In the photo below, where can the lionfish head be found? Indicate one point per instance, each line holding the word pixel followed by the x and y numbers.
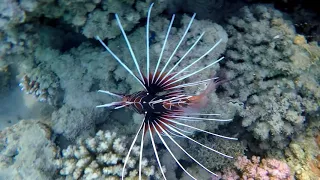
pixel 162 100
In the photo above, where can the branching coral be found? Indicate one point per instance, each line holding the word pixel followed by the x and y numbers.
pixel 269 76
pixel 102 157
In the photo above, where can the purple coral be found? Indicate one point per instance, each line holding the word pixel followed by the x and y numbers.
pixel 265 169
pixel 256 169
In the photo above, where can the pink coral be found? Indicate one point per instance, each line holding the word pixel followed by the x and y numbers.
pixel 256 169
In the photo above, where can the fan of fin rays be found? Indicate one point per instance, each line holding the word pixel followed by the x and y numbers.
pixel 162 113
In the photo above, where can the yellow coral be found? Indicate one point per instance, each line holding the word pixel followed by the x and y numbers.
pixel 312 48
pixel 299 40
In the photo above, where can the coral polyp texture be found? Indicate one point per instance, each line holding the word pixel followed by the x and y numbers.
pixel 27 152
pixel 102 157
pixel 302 154
pixel 276 80
pixel 89 17
pixel 257 169
pixel 43 85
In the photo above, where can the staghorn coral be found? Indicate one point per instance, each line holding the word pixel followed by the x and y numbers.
pixel 102 157
pixel 24 145
pixel 276 80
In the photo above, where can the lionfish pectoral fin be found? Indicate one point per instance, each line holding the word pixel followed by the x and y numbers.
pixel 175 142
pixel 201 100
pixel 115 105
pixel 156 126
pixel 111 93
pixel 156 152
pixel 130 149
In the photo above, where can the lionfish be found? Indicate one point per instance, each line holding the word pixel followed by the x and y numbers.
pixel 163 101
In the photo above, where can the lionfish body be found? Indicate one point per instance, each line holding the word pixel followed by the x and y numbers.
pixel 163 101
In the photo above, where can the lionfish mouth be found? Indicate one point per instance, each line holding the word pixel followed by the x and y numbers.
pixel 162 100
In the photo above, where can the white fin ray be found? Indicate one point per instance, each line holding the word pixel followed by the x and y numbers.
pixel 129 47
pixel 182 58
pixel 130 149
pixel 141 150
pixel 168 135
pixel 163 47
pixel 217 135
pixel 119 61
pixel 169 150
pixel 193 73
pixel 147 39
pixel 110 93
pixel 192 83
pixel 177 47
pixel 190 65
pixel 156 152
pixel 200 118
pixel 216 151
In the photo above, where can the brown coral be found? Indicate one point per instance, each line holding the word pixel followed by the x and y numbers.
pixel 312 48
pixel 314 165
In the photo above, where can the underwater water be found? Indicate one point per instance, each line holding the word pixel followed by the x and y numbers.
pixel 196 89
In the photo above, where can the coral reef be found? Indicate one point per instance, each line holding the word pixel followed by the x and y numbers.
pixel 5 77
pixel 71 122
pixel 212 160
pixel 265 169
pixel 198 172
pixel 302 155
pixel 43 85
pixel 273 86
pixel 26 151
pixel 90 72
pixel 102 157
pixel 276 80
pixel 93 69
pixel 90 17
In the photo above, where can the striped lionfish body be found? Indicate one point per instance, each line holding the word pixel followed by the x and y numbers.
pixel 163 101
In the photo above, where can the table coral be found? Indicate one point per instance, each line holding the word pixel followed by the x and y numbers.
pixel 102 157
